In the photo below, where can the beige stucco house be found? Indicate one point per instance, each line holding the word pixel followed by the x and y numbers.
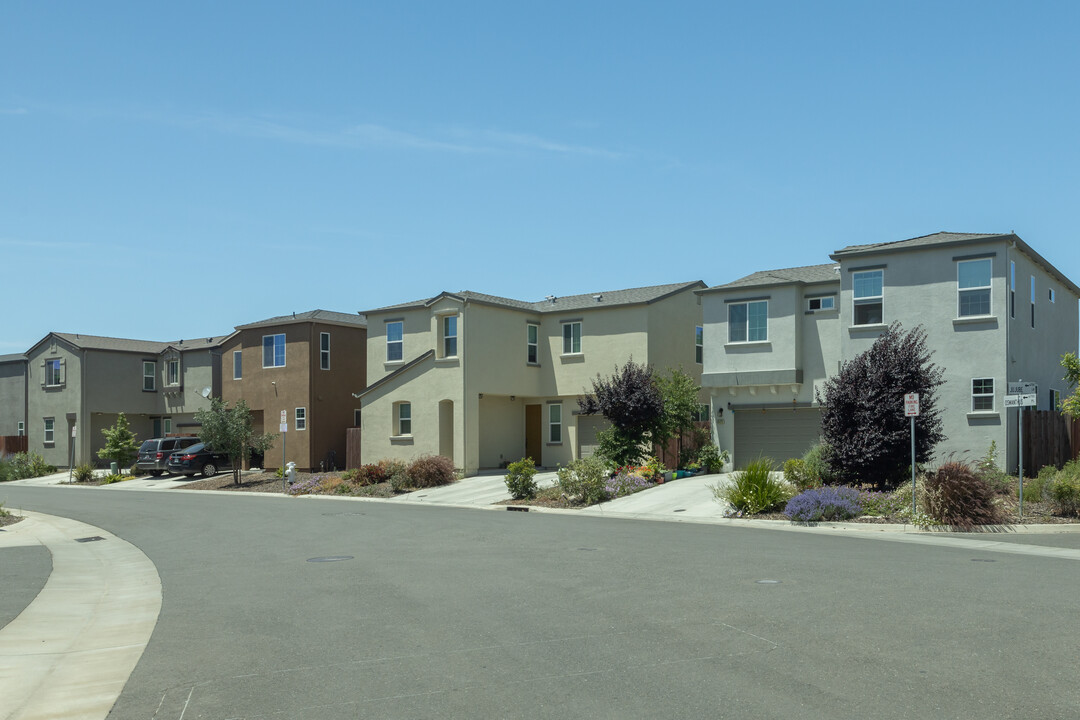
pixel 487 380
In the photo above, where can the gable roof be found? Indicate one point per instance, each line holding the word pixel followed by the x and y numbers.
pixel 805 275
pixel 16 357
pixel 322 316
pixel 149 347
pixel 606 298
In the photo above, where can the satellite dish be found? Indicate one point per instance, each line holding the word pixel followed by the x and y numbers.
pixel 205 392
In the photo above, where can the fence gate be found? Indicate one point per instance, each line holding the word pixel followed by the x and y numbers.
pixel 352 448
pixel 1050 438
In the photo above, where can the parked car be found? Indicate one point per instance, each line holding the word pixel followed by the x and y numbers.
pixel 154 454
pixel 198 459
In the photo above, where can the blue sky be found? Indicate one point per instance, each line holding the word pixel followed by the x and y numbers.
pixel 171 171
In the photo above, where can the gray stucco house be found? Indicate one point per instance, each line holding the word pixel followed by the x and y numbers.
pixel 994 310
pixel 12 395
pixel 84 381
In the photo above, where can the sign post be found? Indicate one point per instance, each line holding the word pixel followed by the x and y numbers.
pixel 284 428
pixel 71 465
pixel 911 409
pixel 1021 394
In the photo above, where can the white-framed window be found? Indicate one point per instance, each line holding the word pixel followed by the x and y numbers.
pixel 324 351
pixel 982 395
pixel 166 425
pixel 52 372
pixel 448 327
pixel 402 418
pixel 356 418
pixel 555 423
pixel 172 371
pixel 22 428
pixel 1053 297
pixel 237 364
pixel 395 341
pixel 973 287
pixel 50 430
pixel 748 321
pixel 867 297
pixel 699 345
pixel 301 418
pixel 532 343
pixel 273 350
pixel 149 375
pixel 821 303
pixel 1012 288
pixel 1032 301
pixel 571 338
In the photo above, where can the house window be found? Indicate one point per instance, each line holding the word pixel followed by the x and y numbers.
pixel 982 395
pixel 702 414
pixel 1012 288
pixel 1055 399
pixel 1032 301
pixel 52 372
pixel 50 424
pixel 172 371
pixel 867 297
pixel 449 336
pixel 555 423
pixel 324 351
pixel 22 428
pixel 973 287
pixel 821 303
pixel 273 350
pixel 356 418
pixel 394 341
pixel 699 345
pixel 532 343
pixel 149 371
pixel 301 418
pixel 166 425
pixel 748 321
pixel 571 338
pixel 403 418
pixel 237 364
pixel 1051 294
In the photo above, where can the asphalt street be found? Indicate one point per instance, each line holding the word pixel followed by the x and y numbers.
pixel 276 607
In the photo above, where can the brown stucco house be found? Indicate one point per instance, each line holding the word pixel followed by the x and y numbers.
pixel 302 365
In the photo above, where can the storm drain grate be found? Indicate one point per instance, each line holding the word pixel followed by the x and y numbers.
pixel 517 508
pixel 330 558
pixel 93 538
pixel 982 560
pixel 679 510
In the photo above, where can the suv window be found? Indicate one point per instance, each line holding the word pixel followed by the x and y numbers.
pixel 148 445
pixel 188 442
pixel 167 445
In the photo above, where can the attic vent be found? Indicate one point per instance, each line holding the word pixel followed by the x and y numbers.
pixel 599 297
pixel 551 299
pixel 836 269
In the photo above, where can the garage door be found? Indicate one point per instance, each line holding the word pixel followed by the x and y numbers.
pixel 587 427
pixel 779 434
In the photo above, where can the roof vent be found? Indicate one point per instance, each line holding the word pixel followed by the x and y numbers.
pixel 836 269
pixel 551 299
pixel 598 297
pixel 181 341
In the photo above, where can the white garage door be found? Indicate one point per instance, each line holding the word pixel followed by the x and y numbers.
pixel 778 434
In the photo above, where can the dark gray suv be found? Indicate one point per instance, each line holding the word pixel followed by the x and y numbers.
pixel 154 454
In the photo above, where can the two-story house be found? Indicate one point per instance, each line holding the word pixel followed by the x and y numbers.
pixel 78 384
pixel 487 380
pixel 994 311
pixel 299 367
pixel 12 395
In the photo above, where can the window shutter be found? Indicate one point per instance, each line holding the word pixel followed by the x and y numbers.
pixel 42 373
pixel 63 371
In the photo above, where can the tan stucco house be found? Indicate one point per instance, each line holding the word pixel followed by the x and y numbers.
pixel 303 365
pixel 487 380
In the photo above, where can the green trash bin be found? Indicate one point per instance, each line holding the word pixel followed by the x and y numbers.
pixel 114 468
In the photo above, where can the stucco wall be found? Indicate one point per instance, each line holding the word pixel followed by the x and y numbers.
pixel 55 402
pixel 12 396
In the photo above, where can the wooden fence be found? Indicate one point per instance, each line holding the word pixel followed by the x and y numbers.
pixel 669 455
pixel 352 448
pixel 1050 438
pixel 11 444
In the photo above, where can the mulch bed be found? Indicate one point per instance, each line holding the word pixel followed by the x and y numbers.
pixel 266 482
pixel 9 519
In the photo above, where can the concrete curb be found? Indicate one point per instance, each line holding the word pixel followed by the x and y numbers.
pixel 70 652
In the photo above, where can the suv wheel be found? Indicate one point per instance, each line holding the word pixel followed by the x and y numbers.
pixel 209 470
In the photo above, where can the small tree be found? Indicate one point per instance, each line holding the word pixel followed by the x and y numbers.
pixel 230 431
pixel 632 402
pixel 680 398
pixel 1071 405
pixel 862 419
pixel 120 444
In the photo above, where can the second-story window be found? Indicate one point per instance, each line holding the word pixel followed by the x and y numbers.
pixel 532 343
pixel 149 376
pixel 571 338
pixel 301 418
pixel 973 287
pixel 867 296
pixel 1012 288
pixel 172 371
pixel 237 364
pixel 748 321
pixel 1032 301
pixel 394 341
pixel 324 350
pixel 821 303
pixel 273 350
pixel 699 345
pixel 449 336
pixel 52 372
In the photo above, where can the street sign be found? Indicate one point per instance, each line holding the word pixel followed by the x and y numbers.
pixel 1029 400
pixel 284 416
pixel 1012 401
pixel 1023 388
pixel 283 427
pixel 73 430
pixel 911 404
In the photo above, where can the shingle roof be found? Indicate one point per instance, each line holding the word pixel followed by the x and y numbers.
pixel 806 275
pixel 939 238
pixel 95 342
pixel 606 298
pixel 326 316
pixel 16 357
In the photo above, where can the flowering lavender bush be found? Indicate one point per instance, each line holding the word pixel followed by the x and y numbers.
pixel 825 503
pixel 305 487
pixel 626 484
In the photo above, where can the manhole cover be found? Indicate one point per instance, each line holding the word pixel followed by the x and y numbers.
pixel 341 513
pixel 679 510
pixel 767 582
pixel 587 549
pixel 93 538
pixel 982 560
pixel 331 558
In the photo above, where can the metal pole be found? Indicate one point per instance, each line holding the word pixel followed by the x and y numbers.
pixel 284 480
pixel 912 468
pixel 71 464
pixel 1020 467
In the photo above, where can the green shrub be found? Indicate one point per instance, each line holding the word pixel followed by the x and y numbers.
pixel 713 459
pixel 83 473
pixel 754 490
pixel 795 472
pixel 520 481
pixel 998 480
pixel 1037 489
pixel 583 481
pixel 816 466
pixel 28 465
pixel 1065 489
pixel 957 495
pixel 431 471
pixel 110 479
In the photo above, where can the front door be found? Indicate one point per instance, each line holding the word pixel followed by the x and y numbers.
pixel 534 433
